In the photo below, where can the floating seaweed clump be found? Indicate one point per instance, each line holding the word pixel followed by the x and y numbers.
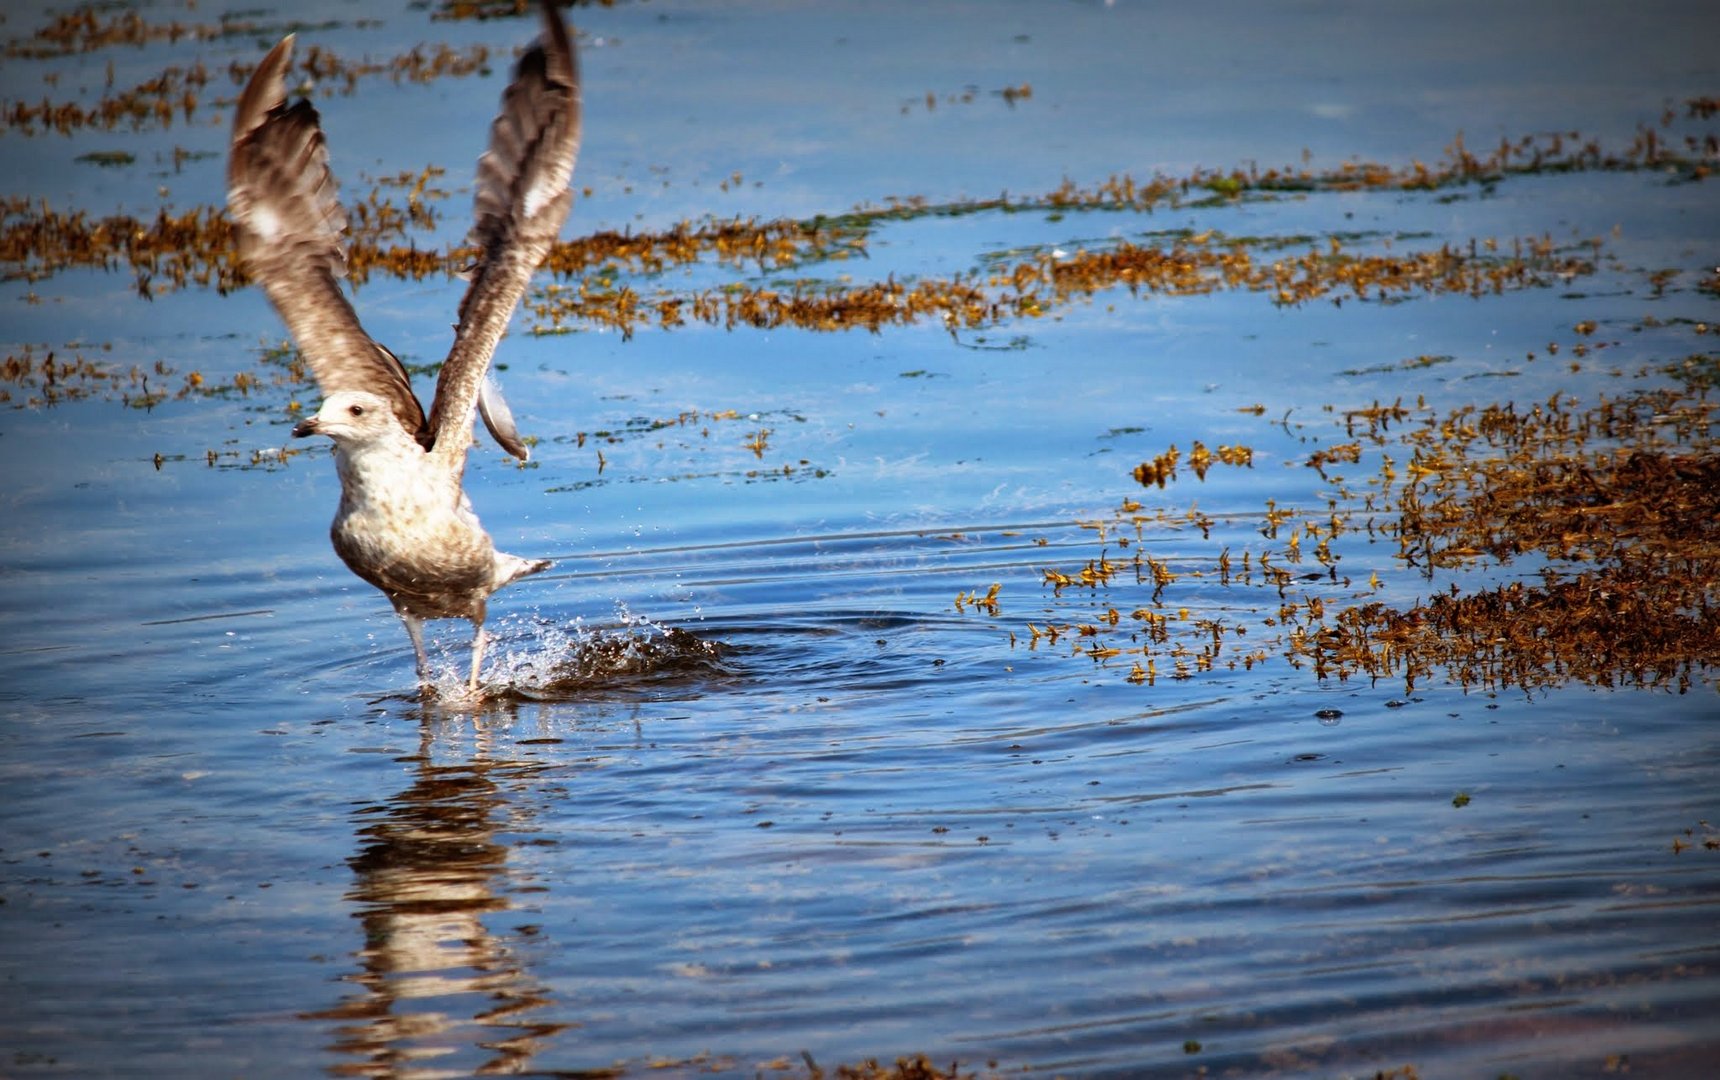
pixel 50 379
pixel 1615 505
pixel 176 93
pixel 1049 281
pixel 915 1067
pixel 175 249
pixel 94 27
pixel 194 246
pixel 168 251
pixel 482 10
pixel 157 101
pixel 1163 469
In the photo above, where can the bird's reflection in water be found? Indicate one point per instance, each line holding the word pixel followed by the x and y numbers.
pixel 438 991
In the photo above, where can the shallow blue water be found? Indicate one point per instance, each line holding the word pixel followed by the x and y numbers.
pixel 846 816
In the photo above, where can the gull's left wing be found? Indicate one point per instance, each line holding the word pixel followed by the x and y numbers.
pixel 522 198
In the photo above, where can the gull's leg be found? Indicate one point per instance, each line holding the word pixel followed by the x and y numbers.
pixel 415 631
pixel 477 651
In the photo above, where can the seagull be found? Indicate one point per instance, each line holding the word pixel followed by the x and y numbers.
pixel 404 523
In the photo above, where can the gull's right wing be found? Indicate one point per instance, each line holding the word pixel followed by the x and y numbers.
pixel 291 236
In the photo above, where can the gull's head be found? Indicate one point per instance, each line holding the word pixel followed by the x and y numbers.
pixel 352 417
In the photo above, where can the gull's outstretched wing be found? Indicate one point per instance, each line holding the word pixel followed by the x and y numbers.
pixel 290 229
pixel 521 200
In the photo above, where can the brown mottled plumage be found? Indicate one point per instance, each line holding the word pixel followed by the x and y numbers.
pixel 404 523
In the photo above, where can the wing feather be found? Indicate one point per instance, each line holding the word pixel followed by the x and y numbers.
pixel 521 200
pixel 291 237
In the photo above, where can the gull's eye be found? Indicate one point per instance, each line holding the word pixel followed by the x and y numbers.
pixel 356 410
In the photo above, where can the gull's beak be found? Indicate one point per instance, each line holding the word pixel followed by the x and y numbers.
pixel 307 426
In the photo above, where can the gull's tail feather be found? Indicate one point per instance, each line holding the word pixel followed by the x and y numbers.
pixel 510 568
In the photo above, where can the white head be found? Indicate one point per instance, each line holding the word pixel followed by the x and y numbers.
pixel 354 418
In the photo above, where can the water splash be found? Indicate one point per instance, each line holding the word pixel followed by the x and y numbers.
pixel 536 659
